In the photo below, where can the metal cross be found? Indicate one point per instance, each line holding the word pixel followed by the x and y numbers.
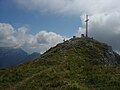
pixel 86 25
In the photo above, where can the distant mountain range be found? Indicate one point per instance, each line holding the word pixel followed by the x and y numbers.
pixel 14 56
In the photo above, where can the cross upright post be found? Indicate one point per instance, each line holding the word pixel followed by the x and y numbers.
pixel 86 25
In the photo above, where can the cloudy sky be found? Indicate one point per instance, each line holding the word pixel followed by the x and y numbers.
pixel 37 25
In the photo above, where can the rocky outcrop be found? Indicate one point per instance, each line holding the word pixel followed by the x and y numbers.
pixel 110 56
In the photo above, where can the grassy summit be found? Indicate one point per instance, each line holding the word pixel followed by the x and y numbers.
pixel 76 64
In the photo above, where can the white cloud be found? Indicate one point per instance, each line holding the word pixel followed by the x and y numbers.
pixel 5 30
pixel 42 37
pixel 9 37
pixel 104 15
pixel 71 6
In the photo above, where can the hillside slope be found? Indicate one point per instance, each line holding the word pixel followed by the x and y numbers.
pixel 76 64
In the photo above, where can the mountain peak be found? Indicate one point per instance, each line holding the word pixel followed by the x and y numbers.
pixel 88 49
pixel 76 64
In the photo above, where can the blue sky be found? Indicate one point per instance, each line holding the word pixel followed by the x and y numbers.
pixel 11 13
pixel 37 25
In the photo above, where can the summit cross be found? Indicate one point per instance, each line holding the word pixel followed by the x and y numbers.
pixel 86 25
